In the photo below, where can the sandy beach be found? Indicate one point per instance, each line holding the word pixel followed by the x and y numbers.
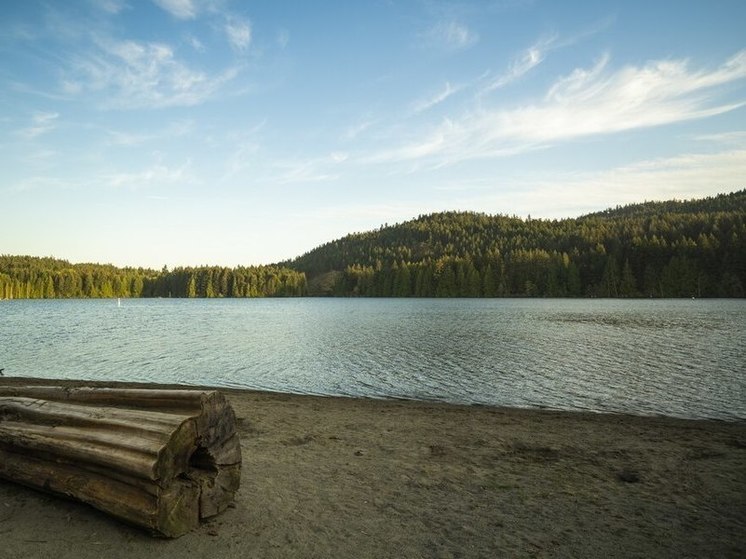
pixel 336 477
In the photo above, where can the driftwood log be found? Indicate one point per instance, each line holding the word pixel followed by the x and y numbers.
pixel 161 459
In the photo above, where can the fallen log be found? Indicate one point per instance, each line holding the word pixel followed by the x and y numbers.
pixel 160 459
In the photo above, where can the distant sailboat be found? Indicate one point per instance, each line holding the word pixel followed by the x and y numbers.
pixel 119 302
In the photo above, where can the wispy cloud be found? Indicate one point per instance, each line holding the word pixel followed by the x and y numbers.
pixel 195 43
pixel 134 74
pixel 317 169
pixel 238 31
pixel 530 58
pixel 180 9
pixel 156 175
pixel 523 63
pixel 41 123
pixel 737 137
pixel 110 6
pixel 450 35
pixel 126 139
pixel 433 100
pixel 249 162
pixel 586 102
pixel 153 176
pixel 353 131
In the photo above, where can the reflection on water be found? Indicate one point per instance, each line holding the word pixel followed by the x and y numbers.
pixel 673 357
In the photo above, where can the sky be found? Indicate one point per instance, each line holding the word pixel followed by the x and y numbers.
pixel 217 132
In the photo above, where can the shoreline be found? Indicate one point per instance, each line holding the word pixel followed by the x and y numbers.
pixel 327 476
pixel 38 381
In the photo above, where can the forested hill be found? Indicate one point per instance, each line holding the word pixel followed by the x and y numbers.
pixel 694 248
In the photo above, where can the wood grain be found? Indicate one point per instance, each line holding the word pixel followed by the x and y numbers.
pixel 161 459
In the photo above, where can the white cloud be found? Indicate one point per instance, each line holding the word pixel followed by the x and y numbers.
pixel 450 35
pixel 319 169
pixel 180 9
pixel 355 130
pixel 154 176
pixel 71 87
pixel 433 100
pixel 110 6
pixel 735 137
pixel 238 32
pixel 587 102
pixel 523 63
pixel 118 138
pixel 195 43
pixel 41 123
pixel 534 55
pixel 249 163
pixel 133 74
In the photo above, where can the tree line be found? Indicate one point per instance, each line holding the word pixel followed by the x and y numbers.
pixel 693 248
pixel 27 277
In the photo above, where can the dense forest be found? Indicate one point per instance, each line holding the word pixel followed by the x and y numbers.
pixel 694 248
pixel 26 277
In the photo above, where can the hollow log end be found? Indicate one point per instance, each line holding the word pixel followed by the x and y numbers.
pixel 217 470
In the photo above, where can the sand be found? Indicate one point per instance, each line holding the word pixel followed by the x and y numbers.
pixel 336 477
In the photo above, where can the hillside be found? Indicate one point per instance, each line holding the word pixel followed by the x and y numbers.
pixel 694 248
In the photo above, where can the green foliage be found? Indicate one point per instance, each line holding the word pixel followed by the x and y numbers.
pixel 27 277
pixel 694 248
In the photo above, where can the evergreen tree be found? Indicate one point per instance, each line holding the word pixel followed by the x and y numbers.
pixel 628 285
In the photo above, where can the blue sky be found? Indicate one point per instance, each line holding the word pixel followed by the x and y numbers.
pixel 190 132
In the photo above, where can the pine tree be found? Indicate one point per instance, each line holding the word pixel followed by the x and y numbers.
pixel 628 285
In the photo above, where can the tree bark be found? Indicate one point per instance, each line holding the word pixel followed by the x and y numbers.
pixel 161 459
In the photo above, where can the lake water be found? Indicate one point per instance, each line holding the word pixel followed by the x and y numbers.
pixel 681 358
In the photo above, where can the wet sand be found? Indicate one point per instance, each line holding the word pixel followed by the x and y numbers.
pixel 337 477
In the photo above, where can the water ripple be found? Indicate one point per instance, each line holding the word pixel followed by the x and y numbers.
pixel 680 358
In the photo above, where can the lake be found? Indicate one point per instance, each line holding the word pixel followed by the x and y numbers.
pixel 684 358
